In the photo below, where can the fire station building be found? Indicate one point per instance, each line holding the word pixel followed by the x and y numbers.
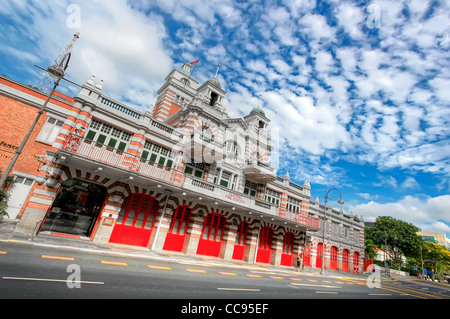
pixel 182 178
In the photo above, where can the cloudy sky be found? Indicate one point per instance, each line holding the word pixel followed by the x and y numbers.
pixel 358 92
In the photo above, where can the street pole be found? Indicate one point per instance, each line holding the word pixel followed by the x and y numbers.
pixel 25 140
pixel 57 71
pixel 340 202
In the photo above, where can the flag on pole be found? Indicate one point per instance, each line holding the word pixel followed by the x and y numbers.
pixel 195 62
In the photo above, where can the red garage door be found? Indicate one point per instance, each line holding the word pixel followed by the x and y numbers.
pixel 178 228
pixel 288 250
pixel 211 239
pixel 239 246
pixel 333 260
pixel 319 255
pixel 345 260
pixel 135 222
pixel 307 255
pixel 265 245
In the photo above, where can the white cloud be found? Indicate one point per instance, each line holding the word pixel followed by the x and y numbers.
pixel 427 213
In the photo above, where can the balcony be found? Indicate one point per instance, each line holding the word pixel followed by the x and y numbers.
pixel 311 223
pixel 227 197
pixel 203 148
pixel 259 172
pixel 98 153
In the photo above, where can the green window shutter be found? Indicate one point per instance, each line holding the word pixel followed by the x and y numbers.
pixel 188 170
pixel 90 135
pixel 153 158
pixel 101 139
pixel 145 155
pixel 169 163
pixel 112 143
pixel 161 161
pixel 122 146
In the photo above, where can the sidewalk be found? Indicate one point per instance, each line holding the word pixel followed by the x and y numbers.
pixel 7 233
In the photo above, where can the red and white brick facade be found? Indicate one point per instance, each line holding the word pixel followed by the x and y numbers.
pixel 185 178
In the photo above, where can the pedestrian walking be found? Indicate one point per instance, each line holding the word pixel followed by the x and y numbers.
pixel 299 261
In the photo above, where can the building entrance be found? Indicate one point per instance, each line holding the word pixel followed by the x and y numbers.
pixel 135 222
pixel 75 209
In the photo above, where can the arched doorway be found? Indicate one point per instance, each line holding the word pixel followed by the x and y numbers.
pixel 307 255
pixel 319 255
pixel 176 235
pixel 355 261
pixel 75 209
pixel 345 260
pixel 241 237
pixel 135 222
pixel 211 239
pixel 265 245
pixel 288 249
pixel 334 257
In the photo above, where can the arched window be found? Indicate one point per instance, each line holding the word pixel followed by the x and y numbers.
pixel 180 220
pixel 241 233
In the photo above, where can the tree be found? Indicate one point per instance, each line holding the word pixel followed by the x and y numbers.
pixel 396 237
pixel 435 257
pixel 4 197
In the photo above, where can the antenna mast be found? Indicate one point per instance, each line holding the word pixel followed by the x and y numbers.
pixel 46 80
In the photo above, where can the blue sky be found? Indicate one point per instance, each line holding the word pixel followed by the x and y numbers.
pixel 358 92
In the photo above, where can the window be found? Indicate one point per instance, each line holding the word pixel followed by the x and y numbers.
pixel 154 153
pixel 293 205
pixel 272 196
pixel 213 227
pixel 288 244
pixel 241 234
pixel 265 240
pixel 180 220
pixel 250 188
pixel 50 130
pixel 225 179
pixel 196 169
pixel 104 134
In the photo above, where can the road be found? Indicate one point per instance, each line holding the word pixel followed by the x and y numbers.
pixel 30 271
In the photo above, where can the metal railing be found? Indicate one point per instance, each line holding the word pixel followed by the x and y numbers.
pixel 102 153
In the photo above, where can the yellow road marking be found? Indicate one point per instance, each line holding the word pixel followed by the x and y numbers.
pixel 159 267
pixel 228 273
pixel 57 258
pixel 298 279
pixel 312 280
pixel 3 252
pixel 114 263
pixel 196 270
pixel 275 277
pixel 254 276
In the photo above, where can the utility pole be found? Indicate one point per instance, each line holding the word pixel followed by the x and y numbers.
pixel 56 72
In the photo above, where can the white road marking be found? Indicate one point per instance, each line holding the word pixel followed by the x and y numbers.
pixel 52 280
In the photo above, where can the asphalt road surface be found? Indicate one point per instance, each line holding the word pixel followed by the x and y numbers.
pixel 30 271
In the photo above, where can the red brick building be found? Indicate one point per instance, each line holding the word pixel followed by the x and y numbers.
pixel 183 178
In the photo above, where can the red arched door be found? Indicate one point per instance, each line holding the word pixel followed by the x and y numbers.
pixel 135 222
pixel 307 255
pixel 319 255
pixel 345 260
pixel 178 229
pixel 333 260
pixel 265 245
pixel 211 239
pixel 355 261
pixel 288 250
pixel 239 245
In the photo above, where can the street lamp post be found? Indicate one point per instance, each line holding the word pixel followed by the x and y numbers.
pixel 340 202
pixel 57 72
